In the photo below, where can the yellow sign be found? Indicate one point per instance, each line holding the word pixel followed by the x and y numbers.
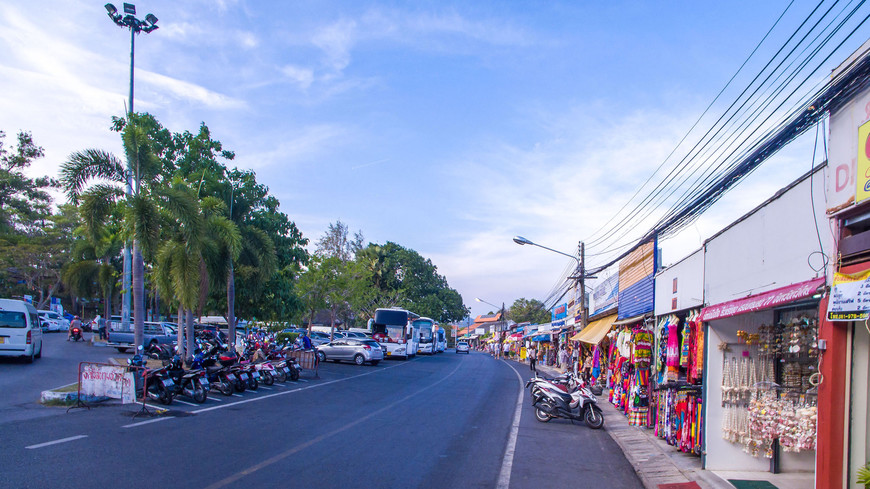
pixel 850 297
pixel 863 163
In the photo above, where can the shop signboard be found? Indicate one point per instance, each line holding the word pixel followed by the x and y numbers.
pixel 846 148
pixel 636 281
pixel 560 312
pixel 766 300
pixel 863 176
pixel 605 294
pixel 850 297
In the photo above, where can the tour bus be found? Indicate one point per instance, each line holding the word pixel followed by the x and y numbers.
pixel 440 341
pixel 427 335
pixel 394 329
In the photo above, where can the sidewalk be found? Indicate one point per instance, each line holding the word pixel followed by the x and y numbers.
pixel 655 461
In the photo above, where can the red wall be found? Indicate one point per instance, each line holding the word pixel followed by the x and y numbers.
pixel 832 424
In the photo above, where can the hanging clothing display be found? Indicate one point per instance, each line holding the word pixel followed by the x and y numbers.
pixel 676 410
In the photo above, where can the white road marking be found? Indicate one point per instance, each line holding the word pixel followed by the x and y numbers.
pixel 504 477
pixel 281 456
pixel 215 399
pixel 237 395
pixel 267 388
pixel 55 442
pixel 185 402
pixel 303 380
pixel 267 396
pixel 148 422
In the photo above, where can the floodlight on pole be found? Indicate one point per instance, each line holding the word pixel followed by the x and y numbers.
pixel 136 26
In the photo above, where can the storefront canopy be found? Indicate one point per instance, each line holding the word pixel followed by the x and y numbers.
pixel 596 331
pixel 765 300
pixel 630 320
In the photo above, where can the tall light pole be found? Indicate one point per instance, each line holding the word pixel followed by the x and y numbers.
pixel 136 26
pixel 580 277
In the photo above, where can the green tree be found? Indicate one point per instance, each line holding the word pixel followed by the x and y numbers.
pixel 401 277
pixel 101 173
pixel 24 201
pixel 337 242
pixel 529 310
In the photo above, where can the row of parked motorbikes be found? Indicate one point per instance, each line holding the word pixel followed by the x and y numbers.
pixel 213 366
pixel 566 397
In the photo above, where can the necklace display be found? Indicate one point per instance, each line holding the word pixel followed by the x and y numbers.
pixel 758 411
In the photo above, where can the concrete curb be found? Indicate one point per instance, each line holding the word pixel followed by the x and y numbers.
pixel 54 395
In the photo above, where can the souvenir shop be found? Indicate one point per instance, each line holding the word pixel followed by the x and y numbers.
pixel 630 357
pixel 678 373
pixel 678 370
pixel 762 380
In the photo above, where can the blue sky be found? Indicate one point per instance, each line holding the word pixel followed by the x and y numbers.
pixel 447 127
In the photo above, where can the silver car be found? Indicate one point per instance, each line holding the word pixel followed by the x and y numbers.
pixel 359 351
pixel 462 347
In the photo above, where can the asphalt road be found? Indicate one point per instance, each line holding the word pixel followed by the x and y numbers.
pixel 433 422
pixel 22 383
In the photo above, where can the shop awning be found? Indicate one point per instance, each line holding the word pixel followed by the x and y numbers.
pixel 541 337
pixel 765 300
pixel 631 320
pixel 595 331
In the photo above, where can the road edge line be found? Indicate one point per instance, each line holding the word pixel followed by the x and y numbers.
pixel 504 477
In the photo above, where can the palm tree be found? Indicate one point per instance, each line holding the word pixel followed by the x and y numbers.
pixel 106 175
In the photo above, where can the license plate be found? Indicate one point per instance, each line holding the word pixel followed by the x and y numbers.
pixel 2 340
pixel 168 383
pixel 256 375
pixel 203 381
pixel 286 370
pixel 389 353
pixel 246 376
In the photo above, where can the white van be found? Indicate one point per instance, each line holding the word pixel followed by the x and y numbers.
pixel 20 333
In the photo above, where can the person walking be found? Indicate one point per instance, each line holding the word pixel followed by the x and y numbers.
pixel 563 358
pixel 533 358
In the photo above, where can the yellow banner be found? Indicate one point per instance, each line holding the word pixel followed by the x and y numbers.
pixel 845 278
pixel 863 164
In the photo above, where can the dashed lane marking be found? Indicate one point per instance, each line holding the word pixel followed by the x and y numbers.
pixel 140 423
pixel 55 442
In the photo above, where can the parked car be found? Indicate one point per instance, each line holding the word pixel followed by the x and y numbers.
pixel 354 334
pixel 20 331
pixel 318 338
pixel 156 333
pixel 462 347
pixel 359 351
pixel 53 320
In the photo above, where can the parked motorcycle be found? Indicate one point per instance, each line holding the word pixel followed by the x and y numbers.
pixel 580 404
pixel 158 386
pixel 191 383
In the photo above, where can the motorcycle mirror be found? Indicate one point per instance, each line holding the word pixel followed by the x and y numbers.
pixel 140 348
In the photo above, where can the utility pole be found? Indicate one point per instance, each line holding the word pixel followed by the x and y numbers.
pixel 584 319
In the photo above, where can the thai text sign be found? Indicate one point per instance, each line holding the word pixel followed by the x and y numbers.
pixel 765 300
pixel 863 176
pixel 107 381
pixel 850 297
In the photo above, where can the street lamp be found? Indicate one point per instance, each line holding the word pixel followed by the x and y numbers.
pixel 136 26
pixel 504 321
pixel 581 272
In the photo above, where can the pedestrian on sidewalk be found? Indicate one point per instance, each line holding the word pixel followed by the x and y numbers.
pixel 563 358
pixel 533 358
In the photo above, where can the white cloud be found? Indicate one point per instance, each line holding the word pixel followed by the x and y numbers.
pixel 189 91
pixel 304 146
pixel 303 77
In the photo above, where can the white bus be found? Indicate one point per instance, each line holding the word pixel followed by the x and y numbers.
pixel 393 328
pixel 440 340
pixel 428 330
